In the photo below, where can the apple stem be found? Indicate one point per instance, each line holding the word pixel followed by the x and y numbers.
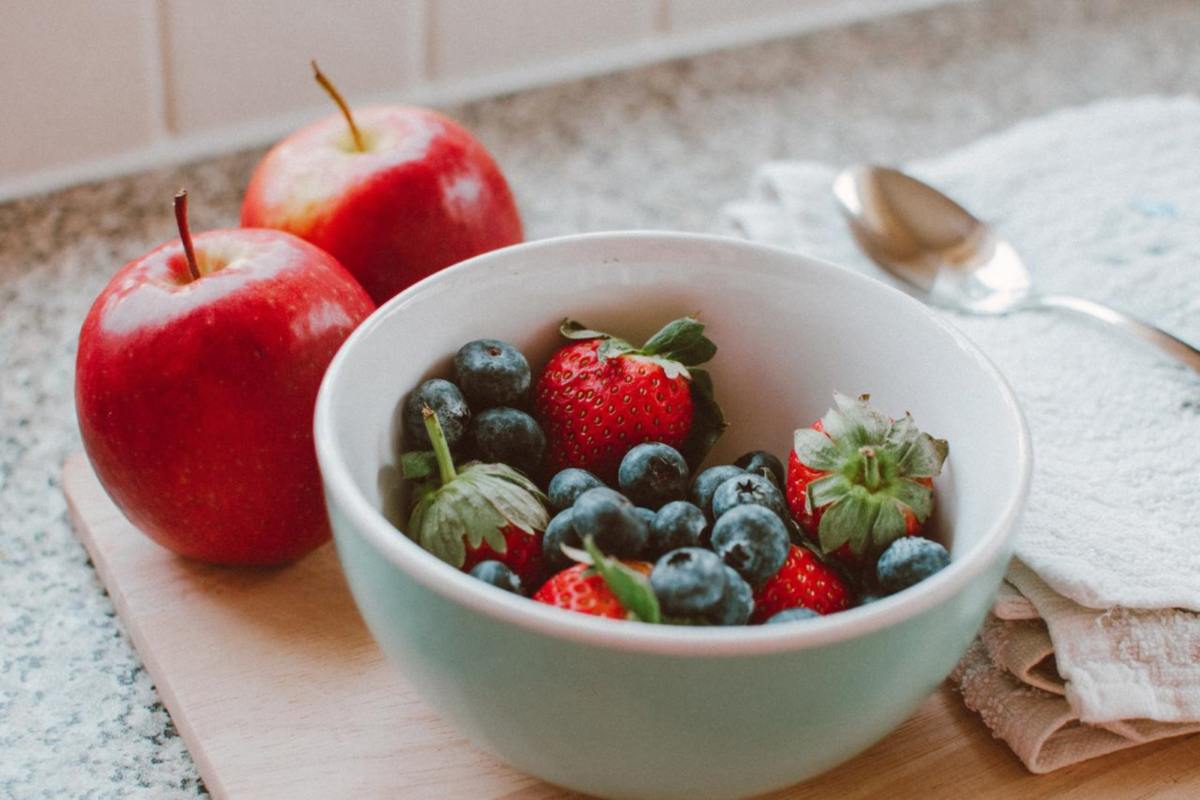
pixel 185 233
pixel 337 98
pixel 441 449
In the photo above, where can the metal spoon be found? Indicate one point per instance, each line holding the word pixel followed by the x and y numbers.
pixel 955 260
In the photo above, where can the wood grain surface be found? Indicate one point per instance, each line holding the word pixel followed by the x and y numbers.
pixel 279 691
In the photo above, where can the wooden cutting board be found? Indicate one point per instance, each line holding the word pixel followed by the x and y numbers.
pixel 279 691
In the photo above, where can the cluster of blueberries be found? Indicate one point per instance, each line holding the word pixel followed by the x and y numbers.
pixel 492 379
pixel 728 535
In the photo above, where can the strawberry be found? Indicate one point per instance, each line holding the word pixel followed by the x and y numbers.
pixel 600 396
pixel 602 587
pixel 858 480
pixel 804 581
pixel 477 512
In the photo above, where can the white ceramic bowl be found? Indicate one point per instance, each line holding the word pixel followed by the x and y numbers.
pixel 623 709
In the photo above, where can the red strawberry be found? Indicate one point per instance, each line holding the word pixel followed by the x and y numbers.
pixel 600 396
pixel 803 580
pixel 581 588
pixel 858 480
pixel 479 512
pixel 522 554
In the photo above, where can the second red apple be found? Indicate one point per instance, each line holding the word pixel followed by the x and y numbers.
pixel 394 193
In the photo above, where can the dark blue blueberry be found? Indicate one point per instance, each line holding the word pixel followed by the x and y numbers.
pixel 760 462
pixel 492 373
pixel 560 531
pixel 498 575
pixel 566 486
pixel 867 599
pixel 793 615
pixel 609 518
pixel 707 482
pixel 677 524
pixel 908 561
pixel 652 474
pixel 753 540
pixel 689 582
pixel 748 489
pixel 508 436
pixel 647 515
pixel 447 403
pixel 736 604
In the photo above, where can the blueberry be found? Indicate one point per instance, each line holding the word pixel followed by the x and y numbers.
pixel 867 599
pixel 736 604
pixel 609 518
pixel 707 482
pixel 760 462
pixel 653 474
pixel 752 540
pixel 447 403
pixel 647 515
pixel 560 531
pixel 498 575
pixel 492 373
pixel 508 436
pixel 793 615
pixel 677 524
pixel 748 489
pixel 908 561
pixel 688 582
pixel 566 486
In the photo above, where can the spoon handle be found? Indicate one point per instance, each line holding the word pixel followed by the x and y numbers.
pixel 1169 344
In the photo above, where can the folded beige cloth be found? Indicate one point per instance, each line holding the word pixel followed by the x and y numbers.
pixel 1061 683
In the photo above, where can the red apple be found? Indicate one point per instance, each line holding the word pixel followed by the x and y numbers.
pixel 195 384
pixel 394 193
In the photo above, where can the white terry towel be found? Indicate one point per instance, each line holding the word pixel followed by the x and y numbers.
pixel 1104 202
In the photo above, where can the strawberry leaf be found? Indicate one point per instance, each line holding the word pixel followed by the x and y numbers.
pixel 815 450
pixel 828 489
pixel 847 521
pixel 632 589
pixel 703 350
pixel 923 456
pixel 676 335
pixel 708 420
pixel 571 329
pixel 611 347
pixel 576 555
pixel 681 340
pixel 889 526
pixel 916 496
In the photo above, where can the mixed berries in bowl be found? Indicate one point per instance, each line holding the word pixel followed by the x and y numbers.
pixel 507 487
pixel 637 564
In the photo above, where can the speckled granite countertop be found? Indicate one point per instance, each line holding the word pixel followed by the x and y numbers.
pixel 660 147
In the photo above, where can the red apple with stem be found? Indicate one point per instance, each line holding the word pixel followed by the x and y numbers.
pixel 195 383
pixel 395 193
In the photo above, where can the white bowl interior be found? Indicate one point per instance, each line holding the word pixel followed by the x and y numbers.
pixel 791 331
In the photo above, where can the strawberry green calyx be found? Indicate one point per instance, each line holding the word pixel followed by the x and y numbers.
pixel 679 348
pixel 679 345
pixel 466 507
pixel 877 473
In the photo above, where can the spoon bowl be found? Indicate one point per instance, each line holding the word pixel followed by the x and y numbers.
pixel 954 260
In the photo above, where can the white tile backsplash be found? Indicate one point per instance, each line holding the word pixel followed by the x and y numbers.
pixel 685 15
pixel 470 38
pixel 229 61
pixel 74 80
pixel 90 89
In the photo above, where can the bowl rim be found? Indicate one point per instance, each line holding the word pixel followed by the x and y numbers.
pixel 456 586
